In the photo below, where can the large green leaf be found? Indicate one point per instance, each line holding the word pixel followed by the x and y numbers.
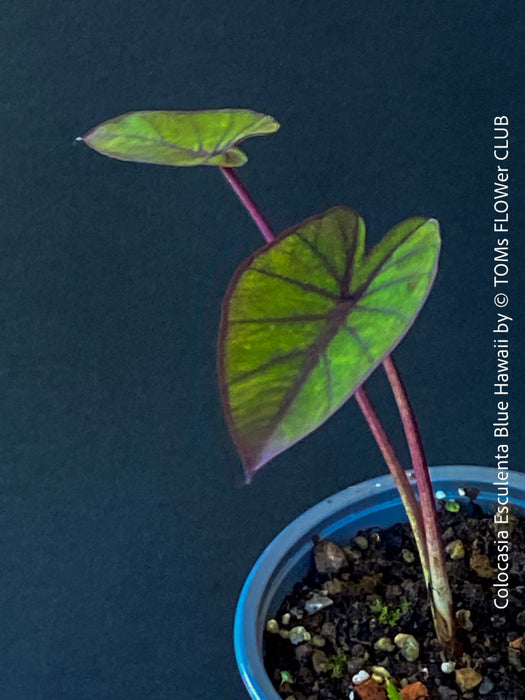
pixel 208 137
pixel 308 317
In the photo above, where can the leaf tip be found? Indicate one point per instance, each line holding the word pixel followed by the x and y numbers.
pixel 252 463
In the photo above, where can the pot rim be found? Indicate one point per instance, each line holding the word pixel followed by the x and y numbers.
pixel 249 656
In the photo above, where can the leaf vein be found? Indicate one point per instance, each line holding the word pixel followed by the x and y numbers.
pixel 364 346
pixel 383 310
pixel 299 283
pixel 327 264
pixel 414 251
pixel 406 278
pixel 277 360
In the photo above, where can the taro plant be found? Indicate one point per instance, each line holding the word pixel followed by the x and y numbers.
pixel 308 317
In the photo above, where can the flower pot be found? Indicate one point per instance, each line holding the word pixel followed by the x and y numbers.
pixel 288 558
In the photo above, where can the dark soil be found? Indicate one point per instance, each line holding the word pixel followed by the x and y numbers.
pixel 377 592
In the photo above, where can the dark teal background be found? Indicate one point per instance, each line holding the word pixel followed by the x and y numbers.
pixel 124 534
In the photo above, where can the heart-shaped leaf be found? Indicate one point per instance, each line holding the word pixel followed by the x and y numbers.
pixel 207 137
pixel 308 317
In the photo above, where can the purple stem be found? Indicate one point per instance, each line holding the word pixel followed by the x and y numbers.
pixel 410 502
pixel 240 190
pixel 440 594
pixel 417 453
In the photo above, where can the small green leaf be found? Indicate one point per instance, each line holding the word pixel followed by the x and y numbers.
pixel 308 317
pixel 392 692
pixel 207 137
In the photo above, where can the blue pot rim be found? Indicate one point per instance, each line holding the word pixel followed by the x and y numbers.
pixel 247 636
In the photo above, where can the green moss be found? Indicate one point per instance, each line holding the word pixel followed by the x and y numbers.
pixel 338 664
pixel 389 616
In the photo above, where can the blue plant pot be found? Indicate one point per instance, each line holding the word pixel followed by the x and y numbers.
pixel 288 558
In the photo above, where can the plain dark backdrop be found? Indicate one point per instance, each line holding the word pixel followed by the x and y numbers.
pixel 124 535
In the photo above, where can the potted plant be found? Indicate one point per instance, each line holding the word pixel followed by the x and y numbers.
pixel 305 320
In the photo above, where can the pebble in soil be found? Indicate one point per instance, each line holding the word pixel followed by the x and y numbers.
pixel 364 607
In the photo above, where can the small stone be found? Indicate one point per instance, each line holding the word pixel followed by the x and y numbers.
pixel 384 644
pixel 368 584
pixel 471 492
pixel 410 591
pixel 463 620
pixel 456 550
pixel 272 626
pixel 329 558
pixel 352 554
pixel 360 677
pixel 468 679
pixel 480 564
pixel 318 641
pixel 328 632
pixel 285 619
pixel 371 690
pixel 520 619
pixel 446 693
pixel 408 646
pixel 357 650
pixel 448 666
pixel 380 673
pixel 304 676
pixel 440 495
pixel 319 662
pixel 452 506
pixel 297 612
pixel 392 595
pixel 333 587
pixel 414 691
pixel 423 673
pixel 299 634
pixel 493 659
pixel 514 658
pixel 472 591
pixel 486 687
pixel 361 541
pixel 355 663
pixel 317 602
pixel 303 651
pixel 408 556
pixel 518 564
pixel 498 621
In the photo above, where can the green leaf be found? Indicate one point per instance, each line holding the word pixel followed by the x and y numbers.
pixel 308 317
pixel 392 692
pixel 208 137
